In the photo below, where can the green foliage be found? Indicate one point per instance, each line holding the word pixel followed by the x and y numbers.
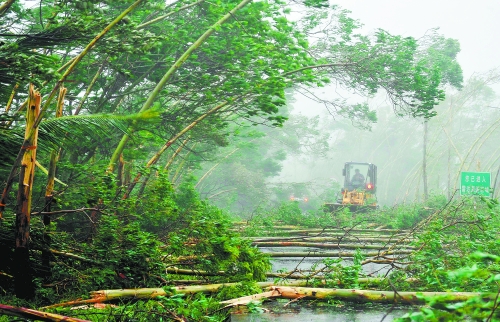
pixel 448 240
pixel 409 216
pixel 238 290
pixel 336 274
pixel 191 227
pixel 483 276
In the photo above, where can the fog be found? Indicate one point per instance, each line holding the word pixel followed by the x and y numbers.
pixel 462 136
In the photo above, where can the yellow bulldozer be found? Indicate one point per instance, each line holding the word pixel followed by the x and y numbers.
pixel 359 191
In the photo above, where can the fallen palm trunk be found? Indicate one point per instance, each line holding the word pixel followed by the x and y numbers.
pixel 334 254
pixel 35 315
pixel 375 296
pixel 320 245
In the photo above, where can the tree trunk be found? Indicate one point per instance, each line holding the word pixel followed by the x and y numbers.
pixel 157 155
pixel 287 292
pixel 49 191
pixel 24 287
pixel 320 245
pixel 5 6
pixel 424 162
pixel 375 296
pixel 335 254
pixel 328 239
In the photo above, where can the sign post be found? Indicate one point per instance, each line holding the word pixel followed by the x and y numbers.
pixel 475 184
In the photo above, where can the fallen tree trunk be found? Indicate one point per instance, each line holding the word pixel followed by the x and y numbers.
pixel 269 275
pixel 375 296
pixel 335 254
pixel 108 295
pixel 181 271
pixel 343 238
pixel 35 315
pixel 319 245
pixel 291 290
pixel 305 229
pixel 245 300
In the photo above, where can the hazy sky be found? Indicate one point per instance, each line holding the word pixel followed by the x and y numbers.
pixel 476 24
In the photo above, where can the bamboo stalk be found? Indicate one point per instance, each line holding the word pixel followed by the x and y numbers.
pixel 157 155
pixel 176 153
pixel 179 167
pixel 170 161
pixel 89 88
pixel 172 70
pixel 215 166
pixel 11 98
pixel 49 189
pixel 44 170
pixel 168 14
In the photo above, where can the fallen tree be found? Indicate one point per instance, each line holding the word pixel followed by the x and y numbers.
pixel 288 292
pixel 376 296
pixel 319 245
pixel 25 313
pixel 335 254
pixel 342 238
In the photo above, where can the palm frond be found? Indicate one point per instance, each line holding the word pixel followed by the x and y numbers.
pixel 81 129
pixel 68 131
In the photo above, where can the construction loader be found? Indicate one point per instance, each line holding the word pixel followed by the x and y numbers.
pixel 359 191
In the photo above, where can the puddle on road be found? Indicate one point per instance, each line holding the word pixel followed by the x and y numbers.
pixel 291 263
pixel 305 311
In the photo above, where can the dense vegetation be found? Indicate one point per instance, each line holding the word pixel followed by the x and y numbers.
pixel 117 119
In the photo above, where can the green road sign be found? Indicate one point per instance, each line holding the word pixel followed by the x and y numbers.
pixel 475 183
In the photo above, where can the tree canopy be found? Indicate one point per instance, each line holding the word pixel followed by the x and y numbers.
pixel 149 87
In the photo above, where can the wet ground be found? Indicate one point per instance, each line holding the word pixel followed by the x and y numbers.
pixel 291 263
pixel 319 312
pixel 303 311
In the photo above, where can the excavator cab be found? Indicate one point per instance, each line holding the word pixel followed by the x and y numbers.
pixel 359 190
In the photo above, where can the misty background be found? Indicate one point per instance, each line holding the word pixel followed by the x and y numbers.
pixel 305 158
